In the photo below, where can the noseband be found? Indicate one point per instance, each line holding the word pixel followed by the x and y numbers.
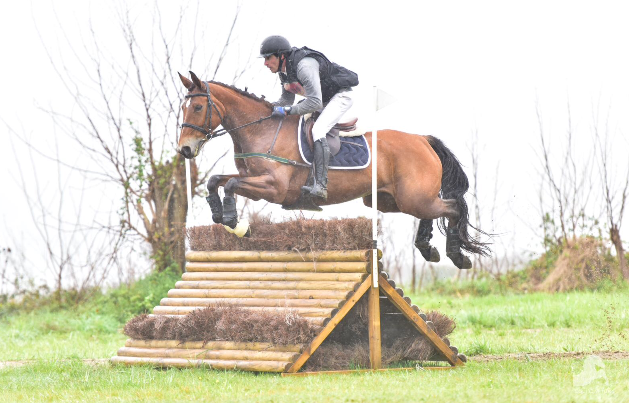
pixel 207 124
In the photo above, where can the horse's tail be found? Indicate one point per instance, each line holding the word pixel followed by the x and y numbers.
pixel 454 186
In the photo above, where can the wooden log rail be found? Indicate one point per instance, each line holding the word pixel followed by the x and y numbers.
pixel 214 345
pixel 266 256
pixel 266 285
pixel 253 302
pixel 267 276
pixel 266 267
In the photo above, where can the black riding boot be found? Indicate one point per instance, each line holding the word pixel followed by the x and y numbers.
pixel 321 158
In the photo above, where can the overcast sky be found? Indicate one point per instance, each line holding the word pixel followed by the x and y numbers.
pixel 454 67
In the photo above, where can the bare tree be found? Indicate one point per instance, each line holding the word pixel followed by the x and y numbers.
pixel 127 113
pixel 615 192
pixel 78 251
pixel 566 188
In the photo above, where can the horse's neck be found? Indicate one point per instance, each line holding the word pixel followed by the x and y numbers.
pixel 240 110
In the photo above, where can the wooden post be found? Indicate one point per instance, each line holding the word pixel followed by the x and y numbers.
pixel 374 319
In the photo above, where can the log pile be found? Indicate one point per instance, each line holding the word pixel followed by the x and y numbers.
pixel 264 310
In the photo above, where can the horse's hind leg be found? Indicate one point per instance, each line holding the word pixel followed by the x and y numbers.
pixel 423 236
pixel 449 209
pixel 453 246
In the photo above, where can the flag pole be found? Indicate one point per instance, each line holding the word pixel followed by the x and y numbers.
pixel 374 198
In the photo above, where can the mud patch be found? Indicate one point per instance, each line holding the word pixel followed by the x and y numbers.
pixel 605 355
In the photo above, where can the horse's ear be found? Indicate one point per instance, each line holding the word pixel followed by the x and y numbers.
pixel 195 80
pixel 187 83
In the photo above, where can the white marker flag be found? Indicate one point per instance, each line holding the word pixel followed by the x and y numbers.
pixel 381 100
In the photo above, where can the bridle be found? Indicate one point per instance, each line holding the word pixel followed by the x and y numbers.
pixel 206 129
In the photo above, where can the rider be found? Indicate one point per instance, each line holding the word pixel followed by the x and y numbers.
pixel 326 87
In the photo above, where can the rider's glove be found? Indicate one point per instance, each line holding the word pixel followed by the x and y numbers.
pixel 280 111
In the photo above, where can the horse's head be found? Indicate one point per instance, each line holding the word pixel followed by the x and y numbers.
pixel 200 117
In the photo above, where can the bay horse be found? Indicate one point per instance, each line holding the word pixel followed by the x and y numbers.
pixel 413 170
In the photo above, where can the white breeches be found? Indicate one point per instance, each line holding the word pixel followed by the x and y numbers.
pixel 336 108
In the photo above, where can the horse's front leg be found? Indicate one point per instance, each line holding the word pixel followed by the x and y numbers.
pixel 213 199
pixel 252 187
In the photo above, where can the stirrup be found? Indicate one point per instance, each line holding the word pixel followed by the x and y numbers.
pixel 316 190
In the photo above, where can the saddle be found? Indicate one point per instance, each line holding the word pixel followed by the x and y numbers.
pixel 332 136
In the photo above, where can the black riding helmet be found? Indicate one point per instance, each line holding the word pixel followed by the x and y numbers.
pixel 274 45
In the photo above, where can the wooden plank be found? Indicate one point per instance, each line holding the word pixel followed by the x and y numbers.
pixel 331 325
pixel 266 285
pixel 258 366
pixel 286 303
pixel 273 276
pixel 282 294
pixel 214 345
pixel 279 256
pixel 305 312
pixel 374 327
pixel 207 354
pixel 266 267
pixel 419 323
pixel 313 320
pixel 360 371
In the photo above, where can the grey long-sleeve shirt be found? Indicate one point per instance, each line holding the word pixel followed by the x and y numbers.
pixel 311 89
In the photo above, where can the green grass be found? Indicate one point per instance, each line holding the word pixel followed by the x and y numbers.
pixel 488 324
pixel 506 381
pixel 61 334
pixel 495 324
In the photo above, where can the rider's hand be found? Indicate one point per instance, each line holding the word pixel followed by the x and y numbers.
pixel 280 111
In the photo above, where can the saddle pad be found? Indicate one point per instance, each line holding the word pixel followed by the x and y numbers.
pixel 353 154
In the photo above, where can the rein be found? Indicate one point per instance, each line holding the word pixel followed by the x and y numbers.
pixel 207 131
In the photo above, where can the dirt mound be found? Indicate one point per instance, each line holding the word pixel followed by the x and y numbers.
pixel 582 264
pixel 299 235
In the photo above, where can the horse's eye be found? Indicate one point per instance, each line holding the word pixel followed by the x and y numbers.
pixel 198 108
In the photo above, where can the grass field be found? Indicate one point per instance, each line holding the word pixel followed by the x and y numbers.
pixel 588 322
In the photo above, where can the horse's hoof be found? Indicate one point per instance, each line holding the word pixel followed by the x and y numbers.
pixel 428 252
pixel 460 261
pixel 435 255
pixel 230 221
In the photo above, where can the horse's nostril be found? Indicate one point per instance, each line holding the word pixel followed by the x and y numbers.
pixel 186 152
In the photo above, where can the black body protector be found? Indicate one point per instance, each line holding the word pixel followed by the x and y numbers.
pixel 333 78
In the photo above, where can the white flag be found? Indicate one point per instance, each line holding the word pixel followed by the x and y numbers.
pixel 383 99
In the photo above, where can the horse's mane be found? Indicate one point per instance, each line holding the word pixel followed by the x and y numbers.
pixel 243 92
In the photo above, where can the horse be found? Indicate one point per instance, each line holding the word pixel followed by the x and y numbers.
pixel 417 175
